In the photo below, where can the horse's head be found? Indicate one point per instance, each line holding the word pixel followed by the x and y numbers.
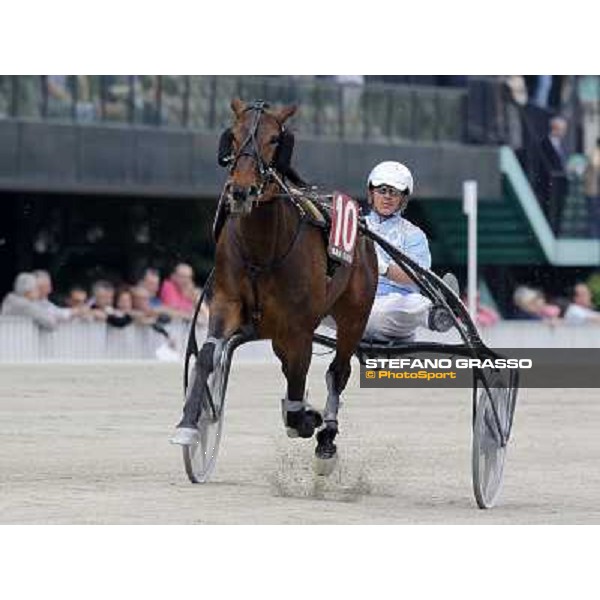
pixel 256 135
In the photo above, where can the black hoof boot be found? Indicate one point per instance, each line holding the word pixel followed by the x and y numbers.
pixel 326 456
pixel 326 448
pixel 303 422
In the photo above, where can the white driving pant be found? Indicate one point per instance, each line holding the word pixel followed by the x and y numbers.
pixel 397 316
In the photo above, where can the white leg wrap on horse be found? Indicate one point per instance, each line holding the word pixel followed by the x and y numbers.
pixel 218 350
pixel 293 405
pixel 333 401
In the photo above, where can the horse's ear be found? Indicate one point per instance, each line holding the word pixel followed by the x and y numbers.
pixel 238 107
pixel 286 112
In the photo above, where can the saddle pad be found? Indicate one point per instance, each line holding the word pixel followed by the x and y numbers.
pixel 344 227
pixel 312 209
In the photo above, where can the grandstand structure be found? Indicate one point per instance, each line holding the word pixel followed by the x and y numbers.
pixel 103 175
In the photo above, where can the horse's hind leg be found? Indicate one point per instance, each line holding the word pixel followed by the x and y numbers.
pixel 336 380
pixel 351 313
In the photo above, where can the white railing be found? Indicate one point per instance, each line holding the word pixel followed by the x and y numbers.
pixel 22 341
pixel 527 334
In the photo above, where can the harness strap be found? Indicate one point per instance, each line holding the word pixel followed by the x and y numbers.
pixel 255 271
pixel 256 313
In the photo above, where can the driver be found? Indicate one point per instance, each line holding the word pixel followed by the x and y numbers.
pixel 398 308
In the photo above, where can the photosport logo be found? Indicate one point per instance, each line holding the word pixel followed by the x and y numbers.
pixel 538 368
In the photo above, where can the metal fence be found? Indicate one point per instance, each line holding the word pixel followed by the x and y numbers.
pixel 329 109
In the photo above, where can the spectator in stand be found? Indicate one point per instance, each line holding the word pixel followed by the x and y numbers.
pixel 541 92
pixel 532 305
pixel 553 145
pixel 150 281
pixel 23 301
pixel 513 99
pixel 44 282
pixel 101 303
pixel 178 292
pixel 553 177
pixel 581 309
pixel 77 298
pixel 592 173
pixel 486 316
pixel 122 313
pixel 151 316
pixel 59 96
pixel 588 99
pixel 141 301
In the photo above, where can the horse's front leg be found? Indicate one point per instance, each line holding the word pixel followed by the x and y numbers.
pixel 225 320
pixel 295 353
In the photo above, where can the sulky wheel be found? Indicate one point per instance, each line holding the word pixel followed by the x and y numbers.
pixel 491 431
pixel 200 459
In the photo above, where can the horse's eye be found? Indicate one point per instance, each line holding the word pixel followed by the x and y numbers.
pixel 274 139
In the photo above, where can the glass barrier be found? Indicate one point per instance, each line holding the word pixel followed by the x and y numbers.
pixel 5 96
pixel 350 110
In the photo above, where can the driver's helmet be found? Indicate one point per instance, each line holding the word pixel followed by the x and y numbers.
pixel 391 173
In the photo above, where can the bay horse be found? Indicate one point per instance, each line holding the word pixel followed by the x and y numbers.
pixel 271 278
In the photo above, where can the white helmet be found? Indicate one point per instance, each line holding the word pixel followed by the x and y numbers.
pixel 392 173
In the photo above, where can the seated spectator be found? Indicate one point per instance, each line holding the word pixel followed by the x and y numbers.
pixel 532 304
pixel 581 309
pixel 23 301
pixel 178 293
pixel 44 283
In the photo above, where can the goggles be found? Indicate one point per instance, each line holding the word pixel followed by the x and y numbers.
pixel 388 190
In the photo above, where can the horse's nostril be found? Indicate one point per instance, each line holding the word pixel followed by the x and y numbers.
pixel 239 194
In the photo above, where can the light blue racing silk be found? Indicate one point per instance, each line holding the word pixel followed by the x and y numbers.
pixel 405 236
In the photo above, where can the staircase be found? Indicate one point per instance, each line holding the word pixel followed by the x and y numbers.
pixel 504 236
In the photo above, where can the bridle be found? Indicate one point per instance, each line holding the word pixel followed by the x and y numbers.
pixel 268 174
pixel 249 147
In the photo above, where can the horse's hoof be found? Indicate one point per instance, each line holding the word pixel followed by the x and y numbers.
pixel 303 423
pixel 291 432
pixel 323 467
pixel 185 436
pixel 316 417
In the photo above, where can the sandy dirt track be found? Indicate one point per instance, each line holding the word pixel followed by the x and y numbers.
pixel 89 444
